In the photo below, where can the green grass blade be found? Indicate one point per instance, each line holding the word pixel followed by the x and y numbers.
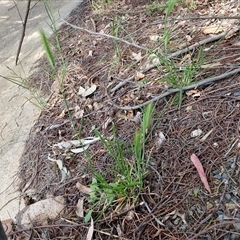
pixel 47 48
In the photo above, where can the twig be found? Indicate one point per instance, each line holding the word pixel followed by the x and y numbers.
pixel 175 90
pixel 105 35
pixel 231 147
pixel 150 212
pixel 195 18
pixel 23 31
pixel 176 54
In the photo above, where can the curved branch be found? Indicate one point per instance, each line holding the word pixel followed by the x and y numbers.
pixel 175 90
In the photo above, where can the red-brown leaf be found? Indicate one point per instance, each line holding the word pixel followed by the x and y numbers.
pixel 200 170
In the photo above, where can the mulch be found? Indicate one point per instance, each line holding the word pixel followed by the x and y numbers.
pixel 173 203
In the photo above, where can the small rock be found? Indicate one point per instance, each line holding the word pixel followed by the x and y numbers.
pixel 196 133
pixel 224 176
pixel 217 176
pixel 228 196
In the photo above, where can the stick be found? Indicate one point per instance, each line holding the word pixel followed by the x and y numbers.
pixel 105 35
pixel 175 90
pixel 23 31
pixel 178 53
pixel 195 18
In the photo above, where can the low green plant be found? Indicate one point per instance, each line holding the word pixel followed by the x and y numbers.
pixel 177 76
pixel 129 168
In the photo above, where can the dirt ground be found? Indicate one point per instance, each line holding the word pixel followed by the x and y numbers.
pixel 173 204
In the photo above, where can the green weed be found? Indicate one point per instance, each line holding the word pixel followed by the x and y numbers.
pixel 127 172
pixel 178 75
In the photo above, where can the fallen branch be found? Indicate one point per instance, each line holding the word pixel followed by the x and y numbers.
pixel 175 90
pixel 105 35
pixel 176 54
pixel 195 18
pixel 23 31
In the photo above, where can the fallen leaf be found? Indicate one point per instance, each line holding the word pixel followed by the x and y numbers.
pixel 86 92
pixel 189 108
pixel 186 59
pixel 90 231
pixel 82 188
pixel 206 136
pixel 97 106
pixel 211 65
pixel 154 38
pixel 137 117
pixel 79 208
pixel 80 150
pixel 81 91
pixel 137 56
pixel 192 92
pixel 212 29
pixel 139 76
pixel 63 169
pixel 200 170
pixel 153 59
pixel 82 143
pixel 161 138
pixel 85 141
pixel 8 226
pixel 40 212
pixel 89 91
pixel 119 231
pixel 61 115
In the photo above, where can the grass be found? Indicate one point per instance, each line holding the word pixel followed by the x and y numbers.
pixel 177 76
pixel 127 172
pixel 36 97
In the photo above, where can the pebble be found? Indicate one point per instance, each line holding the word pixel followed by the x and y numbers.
pixel 217 176
pixel 224 176
pixel 228 196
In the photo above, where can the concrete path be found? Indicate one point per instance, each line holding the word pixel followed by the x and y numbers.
pixel 17 115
